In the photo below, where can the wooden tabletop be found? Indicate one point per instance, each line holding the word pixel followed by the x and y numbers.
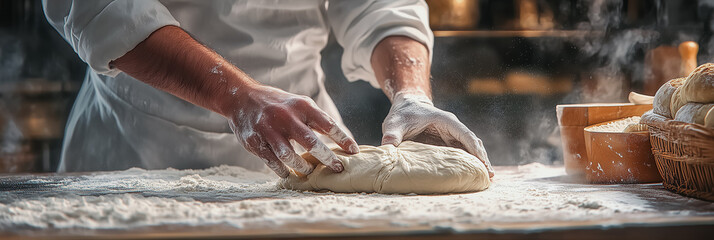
pixel 697 221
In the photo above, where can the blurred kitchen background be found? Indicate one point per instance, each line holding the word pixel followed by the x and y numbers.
pixel 500 65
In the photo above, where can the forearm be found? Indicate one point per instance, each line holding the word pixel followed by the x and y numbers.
pixel 264 119
pixel 401 64
pixel 171 60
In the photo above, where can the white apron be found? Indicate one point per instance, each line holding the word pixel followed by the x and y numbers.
pixel 119 122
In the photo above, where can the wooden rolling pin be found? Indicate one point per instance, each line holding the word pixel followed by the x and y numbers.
pixel 668 62
pixel 688 52
pixel 639 99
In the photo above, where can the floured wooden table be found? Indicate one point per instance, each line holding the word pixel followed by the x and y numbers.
pixel 529 201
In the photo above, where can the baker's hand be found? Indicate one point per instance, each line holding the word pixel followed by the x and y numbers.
pixel 266 118
pixel 414 117
pixel 263 118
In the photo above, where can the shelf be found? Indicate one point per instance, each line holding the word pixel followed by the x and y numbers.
pixel 38 86
pixel 519 33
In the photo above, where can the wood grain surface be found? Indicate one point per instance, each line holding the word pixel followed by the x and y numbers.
pixel 694 220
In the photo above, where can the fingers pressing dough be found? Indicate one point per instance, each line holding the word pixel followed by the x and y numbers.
pixel 410 168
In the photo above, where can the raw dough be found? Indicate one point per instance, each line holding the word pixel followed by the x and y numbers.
pixel 410 168
pixel 663 97
pixel 693 113
pixel 699 86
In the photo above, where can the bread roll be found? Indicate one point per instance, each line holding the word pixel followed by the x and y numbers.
pixel 677 102
pixel 709 119
pixel 693 113
pixel 699 86
pixel 663 97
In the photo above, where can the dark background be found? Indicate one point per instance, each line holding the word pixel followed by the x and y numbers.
pixel 594 49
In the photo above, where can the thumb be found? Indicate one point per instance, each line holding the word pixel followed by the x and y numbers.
pixel 392 130
pixel 393 136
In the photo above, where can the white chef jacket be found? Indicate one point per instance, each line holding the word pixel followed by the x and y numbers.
pixel 118 122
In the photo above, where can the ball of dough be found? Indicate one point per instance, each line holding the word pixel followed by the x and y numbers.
pixel 663 97
pixel 699 86
pixel 410 168
pixel 693 113
pixel 677 102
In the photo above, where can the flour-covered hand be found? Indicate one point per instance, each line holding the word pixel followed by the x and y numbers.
pixel 266 118
pixel 414 117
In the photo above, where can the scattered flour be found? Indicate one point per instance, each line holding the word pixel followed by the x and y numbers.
pixel 235 196
pixel 616 126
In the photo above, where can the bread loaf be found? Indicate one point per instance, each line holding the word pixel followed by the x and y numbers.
pixel 663 97
pixel 693 113
pixel 699 86
pixel 676 103
pixel 689 99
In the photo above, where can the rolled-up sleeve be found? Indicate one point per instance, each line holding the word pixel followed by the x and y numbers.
pixel 102 31
pixel 360 25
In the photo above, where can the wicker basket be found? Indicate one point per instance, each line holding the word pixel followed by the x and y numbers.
pixel 684 154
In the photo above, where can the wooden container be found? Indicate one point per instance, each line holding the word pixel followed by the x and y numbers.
pixel 619 157
pixel 453 14
pixel 684 154
pixel 573 118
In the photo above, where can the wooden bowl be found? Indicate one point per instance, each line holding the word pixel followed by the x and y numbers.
pixel 619 157
pixel 573 118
